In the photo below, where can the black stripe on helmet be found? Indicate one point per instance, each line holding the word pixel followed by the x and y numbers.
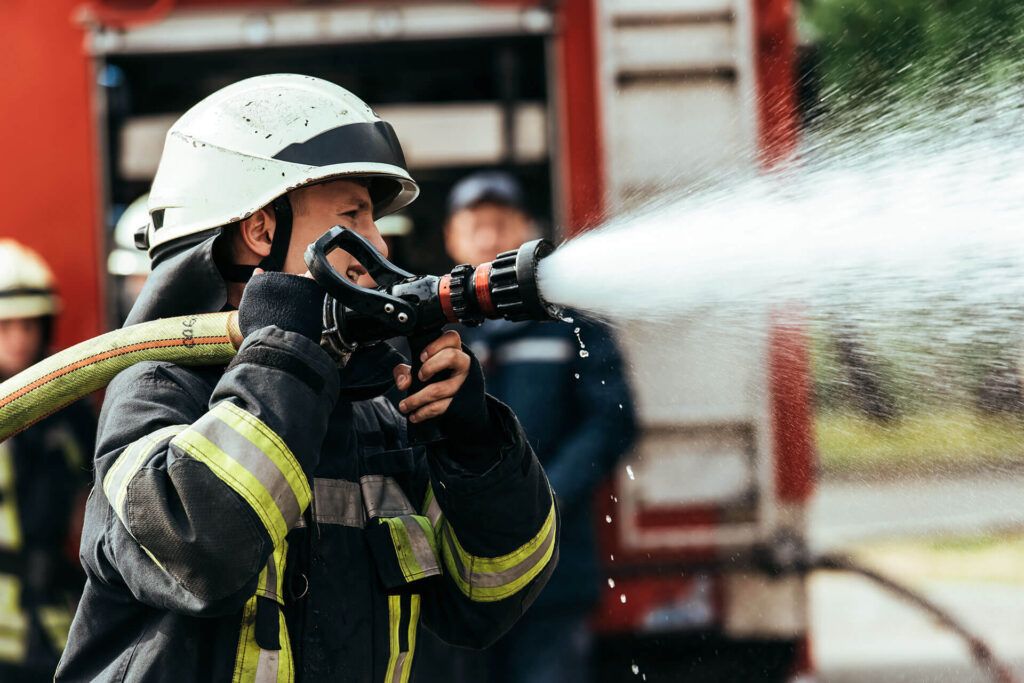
pixel 372 142
pixel 26 291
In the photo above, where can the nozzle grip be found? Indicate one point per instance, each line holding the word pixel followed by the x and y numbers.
pixel 427 432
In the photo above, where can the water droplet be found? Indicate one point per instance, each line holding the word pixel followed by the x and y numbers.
pixel 611 557
pixel 629 471
pixel 608 518
pixel 602 381
pixel 636 669
pixel 620 406
pixel 584 354
pixel 611 583
pixel 576 331
pixel 622 598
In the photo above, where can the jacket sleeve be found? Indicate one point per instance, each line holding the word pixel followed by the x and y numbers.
pixel 198 495
pixel 604 424
pixel 496 535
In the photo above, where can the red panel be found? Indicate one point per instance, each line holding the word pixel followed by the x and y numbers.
pixel 775 71
pixel 792 410
pixel 49 166
pixel 580 122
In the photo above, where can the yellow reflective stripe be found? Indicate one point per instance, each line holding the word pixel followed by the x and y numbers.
pixel 10 524
pixel 489 579
pixel 271 581
pixel 13 622
pixel 238 478
pixel 253 664
pixel 120 474
pixel 56 621
pixel 400 661
pixel 264 438
pixel 415 546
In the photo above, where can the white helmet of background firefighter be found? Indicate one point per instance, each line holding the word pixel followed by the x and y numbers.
pixel 27 286
pixel 245 146
pixel 124 259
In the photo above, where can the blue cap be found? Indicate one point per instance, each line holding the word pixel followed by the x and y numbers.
pixel 486 186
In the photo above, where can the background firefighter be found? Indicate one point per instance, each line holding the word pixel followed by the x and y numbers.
pixel 578 415
pixel 270 521
pixel 43 477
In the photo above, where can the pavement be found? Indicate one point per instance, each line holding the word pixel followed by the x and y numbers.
pixel 861 633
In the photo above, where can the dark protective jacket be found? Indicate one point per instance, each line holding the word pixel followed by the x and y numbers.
pixel 44 472
pixel 578 415
pixel 269 522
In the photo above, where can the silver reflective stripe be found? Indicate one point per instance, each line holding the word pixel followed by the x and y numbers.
pixel 266 668
pixel 399 667
pixel 337 501
pixel 424 553
pixel 543 350
pixel 434 512
pixel 254 460
pixel 479 579
pixel 270 586
pixel 383 497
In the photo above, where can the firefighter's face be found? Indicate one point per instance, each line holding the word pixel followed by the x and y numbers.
pixel 480 232
pixel 21 342
pixel 317 208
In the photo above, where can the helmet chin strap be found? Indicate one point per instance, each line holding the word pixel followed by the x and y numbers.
pixel 282 235
pixel 274 261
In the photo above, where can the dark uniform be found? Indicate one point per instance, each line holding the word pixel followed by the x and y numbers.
pixel 268 521
pixel 43 476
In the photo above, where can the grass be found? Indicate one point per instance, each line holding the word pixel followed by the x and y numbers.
pixel 985 557
pixel 849 443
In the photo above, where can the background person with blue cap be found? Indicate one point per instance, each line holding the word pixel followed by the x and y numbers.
pixel 578 416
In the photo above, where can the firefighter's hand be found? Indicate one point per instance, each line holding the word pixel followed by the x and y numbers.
pixel 444 354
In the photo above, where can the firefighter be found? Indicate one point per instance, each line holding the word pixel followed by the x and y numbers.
pixel 270 521
pixel 127 265
pixel 42 479
pixel 578 416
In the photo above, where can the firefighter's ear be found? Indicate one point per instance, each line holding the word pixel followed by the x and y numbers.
pixel 256 233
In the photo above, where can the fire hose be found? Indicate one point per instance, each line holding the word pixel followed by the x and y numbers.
pixel 981 653
pixel 403 304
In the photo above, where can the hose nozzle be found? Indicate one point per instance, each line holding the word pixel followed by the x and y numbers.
pixel 503 288
pixel 405 304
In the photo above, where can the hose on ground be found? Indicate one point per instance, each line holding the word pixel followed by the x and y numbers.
pixel 65 377
pixel 982 654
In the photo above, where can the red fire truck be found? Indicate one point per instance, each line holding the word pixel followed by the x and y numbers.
pixel 597 105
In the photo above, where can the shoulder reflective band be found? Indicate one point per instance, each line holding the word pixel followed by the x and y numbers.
pixel 403 618
pixel 489 579
pixel 127 465
pixel 254 461
pixel 372 142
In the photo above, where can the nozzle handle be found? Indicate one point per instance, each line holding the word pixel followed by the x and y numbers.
pixel 391 310
pixel 422 433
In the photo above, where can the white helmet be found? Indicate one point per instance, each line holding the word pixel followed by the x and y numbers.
pixel 125 258
pixel 250 143
pixel 26 284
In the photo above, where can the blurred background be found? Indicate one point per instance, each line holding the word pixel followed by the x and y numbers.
pixel 759 447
